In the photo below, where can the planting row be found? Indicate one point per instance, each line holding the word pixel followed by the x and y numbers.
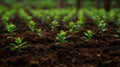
pixel 72 20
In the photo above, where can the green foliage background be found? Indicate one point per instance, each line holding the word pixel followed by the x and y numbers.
pixel 49 3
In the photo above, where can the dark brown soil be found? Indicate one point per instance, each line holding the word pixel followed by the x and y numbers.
pixel 103 50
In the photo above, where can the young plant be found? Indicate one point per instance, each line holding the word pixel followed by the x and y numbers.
pixel 56 17
pixel 6 16
pixel 96 18
pixel 24 15
pixel 103 14
pixel 80 23
pixel 71 26
pixel 11 29
pixel 48 18
pixel 54 25
pixel 66 18
pixel 102 25
pixel 112 15
pixel 5 20
pixel 39 32
pixel 118 33
pixel 61 37
pixel 31 25
pixel 18 44
pixel 118 22
pixel 88 34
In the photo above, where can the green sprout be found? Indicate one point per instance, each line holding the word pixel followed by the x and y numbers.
pixel 118 22
pixel 54 25
pixel 61 37
pixel 102 25
pixel 102 13
pixel 31 25
pixel 118 33
pixel 80 23
pixel 56 17
pixel 81 18
pixel 18 45
pixel 6 16
pixel 66 18
pixel 88 34
pixel 112 15
pixel 11 29
pixel 96 18
pixel 39 32
pixel 5 20
pixel 48 18
pixel 71 26
pixel 24 15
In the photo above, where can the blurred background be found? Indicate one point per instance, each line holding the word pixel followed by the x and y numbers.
pixel 56 3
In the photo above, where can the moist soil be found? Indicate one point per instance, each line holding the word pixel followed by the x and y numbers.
pixel 103 50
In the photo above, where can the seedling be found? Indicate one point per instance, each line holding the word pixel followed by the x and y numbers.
pixel 69 15
pixel 61 37
pixel 66 18
pixel 48 18
pixel 80 23
pixel 102 25
pixel 88 35
pixel 5 20
pixel 118 22
pixel 11 29
pixel 24 15
pixel 56 17
pixel 71 27
pixel 39 32
pixel 102 13
pixel 81 18
pixel 118 33
pixel 112 15
pixel 54 25
pixel 96 18
pixel 31 25
pixel 18 45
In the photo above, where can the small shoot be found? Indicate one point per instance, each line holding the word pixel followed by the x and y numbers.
pixel 39 32
pixel 56 17
pixel 54 25
pixel 102 25
pixel 80 23
pixel 103 14
pixel 66 18
pixel 118 22
pixel 18 44
pixel 72 27
pixel 48 18
pixel 61 37
pixel 5 20
pixel 31 25
pixel 88 35
pixel 112 15
pixel 96 18
pixel 11 29
pixel 118 33
pixel 24 15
